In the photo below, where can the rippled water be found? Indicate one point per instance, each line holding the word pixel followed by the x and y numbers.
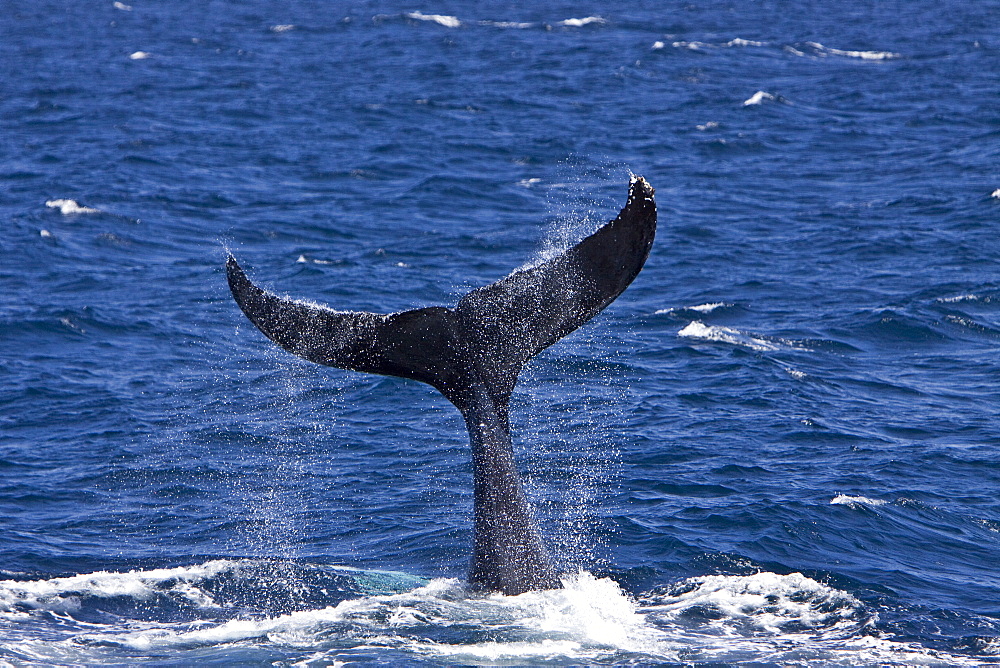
pixel 779 446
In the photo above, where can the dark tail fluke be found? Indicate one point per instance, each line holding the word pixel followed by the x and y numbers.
pixel 414 344
pixel 489 335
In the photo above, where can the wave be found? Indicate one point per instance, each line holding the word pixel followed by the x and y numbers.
pixel 440 19
pixel 758 342
pixel 711 618
pixel 813 49
pixel 507 24
pixel 968 298
pixel 579 23
pixel 697 46
pixel 589 619
pixel 855 501
pixel 759 98
pixel 68 207
pixel 820 50
pixel 765 601
pixel 698 308
pixel 957 299
pixel 65 594
pixel 449 21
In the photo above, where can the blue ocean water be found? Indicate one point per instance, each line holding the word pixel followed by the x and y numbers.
pixel 779 446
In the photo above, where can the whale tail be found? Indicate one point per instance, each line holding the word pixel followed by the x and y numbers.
pixel 484 339
pixel 473 354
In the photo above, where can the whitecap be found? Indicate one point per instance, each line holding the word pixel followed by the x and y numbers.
pixel 957 298
pixel 743 42
pixel 658 45
pixel 995 194
pixel 765 600
pixel 864 55
pixel 45 234
pixel 527 183
pixel 694 46
pixel 68 206
pixel 789 619
pixel 506 24
pixel 700 308
pixel 139 55
pixel 699 330
pixel 758 98
pixel 302 259
pixel 795 373
pixel 711 125
pixel 579 23
pixel 122 6
pixel 440 19
pixel 62 594
pixel 283 27
pixel 708 308
pixel 845 500
pixel 589 619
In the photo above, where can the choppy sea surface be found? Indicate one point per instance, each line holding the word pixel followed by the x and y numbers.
pixel 781 446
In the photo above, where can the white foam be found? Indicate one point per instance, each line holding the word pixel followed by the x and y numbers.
pixel 658 45
pixel 711 125
pixel 579 23
pixel 440 19
pixel 139 55
pixel 298 627
pixel 700 308
pixel 45 234
pixel 864 55
pixel 765 600
pixel 708 308
pixel 283 27
pixel 957 298
pixel 995 194
pixel 122 6
pixel 699 330
pixel 506 24
pixel 588 619
pixel 735 42
pixel 845 500
pixel 758 98
pixel 67 207
pixel 527 183
pixel 781 619
pixel 694 46
pixel 61 594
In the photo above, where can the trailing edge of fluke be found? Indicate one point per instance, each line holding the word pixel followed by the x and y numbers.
pixel 472 353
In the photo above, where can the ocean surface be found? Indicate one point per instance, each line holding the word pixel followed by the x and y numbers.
pixel 780 446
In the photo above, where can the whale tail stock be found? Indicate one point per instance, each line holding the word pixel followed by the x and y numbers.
pixel 472 353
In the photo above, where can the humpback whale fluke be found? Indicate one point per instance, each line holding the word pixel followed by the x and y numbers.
pixel 472 353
